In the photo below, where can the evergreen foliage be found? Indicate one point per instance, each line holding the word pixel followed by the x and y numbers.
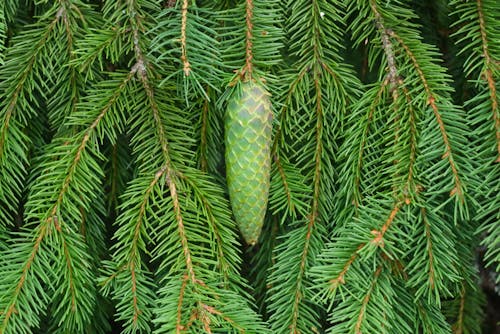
pixel 385 166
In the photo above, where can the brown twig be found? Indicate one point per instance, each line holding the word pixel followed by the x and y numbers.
pixel 184 57
pixel 489 76
pixel 247 70
pixel 379 234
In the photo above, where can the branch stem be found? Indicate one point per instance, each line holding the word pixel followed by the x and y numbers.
pixel 488 73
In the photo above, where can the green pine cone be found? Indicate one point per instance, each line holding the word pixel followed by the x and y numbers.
pixel 248 130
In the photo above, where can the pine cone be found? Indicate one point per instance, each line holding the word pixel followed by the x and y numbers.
pixel 248 129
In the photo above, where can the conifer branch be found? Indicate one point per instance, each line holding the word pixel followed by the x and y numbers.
pixel 82 145
pixel 410 187
pixel 166 171
pixel 52 215
pixel 396 83
pixel 182 234
pixel 431 100
pixel 134 251
pixel 226 268
pixel 357 193
pixel 26 71
pixel 309 122
pixel 167 168
pixel 12 141
pixel 313 215
pixel 53 221
pixel 173 178
pixel 478 38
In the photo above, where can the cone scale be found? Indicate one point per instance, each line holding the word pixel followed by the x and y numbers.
pixel 248 130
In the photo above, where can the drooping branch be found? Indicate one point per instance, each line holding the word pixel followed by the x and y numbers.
pixel 52 214
pixel 134 248
pixel 362 144
pixel 167 170
pixel 314 213
pixel 432 101
pixel 397 84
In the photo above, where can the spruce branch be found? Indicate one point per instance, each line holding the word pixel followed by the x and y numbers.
pixel 52 220
pixel 396 84
pixel 64 205
pixel 310 228
pixel 433 102
pixel 478 38
pixel 167 167
pixel 132 243
pixel 192 211
pixel 357 167
pixel 306 136
pixel 16 109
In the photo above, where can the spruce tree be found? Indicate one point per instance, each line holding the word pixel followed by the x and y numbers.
pixel 115 215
